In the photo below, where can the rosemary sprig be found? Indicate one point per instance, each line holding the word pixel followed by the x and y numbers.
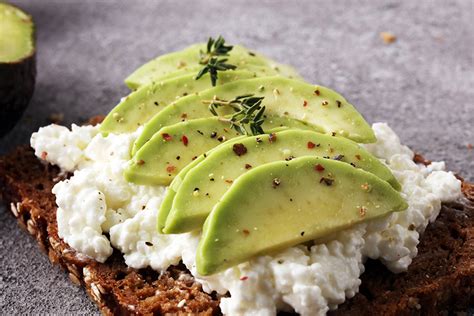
pixel 248 117
pixel 212 64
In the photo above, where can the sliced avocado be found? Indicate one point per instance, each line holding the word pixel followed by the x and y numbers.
pixel 139 106
pixel 284 97
pixel 17 64
pixel 175 146
pixel 165 206
pixel 215 175
pixel 282 204
pixel 187 60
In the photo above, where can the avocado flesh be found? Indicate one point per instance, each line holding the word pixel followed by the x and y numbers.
pixel 17 64
pixel 283 97
pixel 256 216
pixel 165 206
pixel 189 210
pixel 141 105
pixel 187 60
pixel 175 146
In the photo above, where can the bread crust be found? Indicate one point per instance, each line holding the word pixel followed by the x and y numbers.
pixel 440 279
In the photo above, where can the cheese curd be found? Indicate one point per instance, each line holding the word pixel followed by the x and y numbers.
pixel 309 279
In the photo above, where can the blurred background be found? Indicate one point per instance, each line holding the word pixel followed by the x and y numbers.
pixel 407 63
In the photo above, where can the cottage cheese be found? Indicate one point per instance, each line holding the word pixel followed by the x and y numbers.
pixel 309 279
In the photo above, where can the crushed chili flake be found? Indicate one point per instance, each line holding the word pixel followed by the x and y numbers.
pixel 357 156
pixel 276 182
pixel 326 181
pixel 247 166
pixel 243 278
pixel 305 103
pixel 319 168
pixel 167 137
pixel 469 146
pixel 246 232
pixel 362 211
pixel 311 145
pixel 170 168
pixel 230 181
pixel 317 92
pixel 44 154
pixel 272 137
pixel 239 149
pixel 387 37
pixel 140 162
pixel 185 140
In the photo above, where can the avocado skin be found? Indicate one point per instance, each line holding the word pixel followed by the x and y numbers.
pixel 17 84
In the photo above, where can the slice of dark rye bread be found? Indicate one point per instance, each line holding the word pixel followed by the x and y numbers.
pixel 439 281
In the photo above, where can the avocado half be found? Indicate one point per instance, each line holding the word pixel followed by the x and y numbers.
pixel 17 64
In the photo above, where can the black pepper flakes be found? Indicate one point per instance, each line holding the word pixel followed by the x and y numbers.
pixel 339 103
pixel 200 132
pixel 178 157
pixel 239 149
pixel 148 243
pixel 338 157
pixel 156 103
pixel 276 182
pixel 272 137
pixel 258 139
pixel 213 135
pixel 247 166
pixel 221 138
pixel 326 181
pixel 289 158
pixel 302 233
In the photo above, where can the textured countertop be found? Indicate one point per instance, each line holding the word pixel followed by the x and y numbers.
pixel 422 84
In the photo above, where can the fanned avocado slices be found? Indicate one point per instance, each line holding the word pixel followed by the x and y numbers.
pixel 205 184
pixel 283 97
pixel 141 105
pixel 187 61
pixel 17 64
pixel 285 203
pixel 175 146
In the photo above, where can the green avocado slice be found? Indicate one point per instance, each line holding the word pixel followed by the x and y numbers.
pixel 141 105
pixel 187 60
pixel 165 206
pixel 284 97
pixel 17 64
pixel 215 175
pixel 282 204
pixel 175 146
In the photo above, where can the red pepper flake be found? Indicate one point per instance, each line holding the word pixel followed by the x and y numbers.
pixel 311 145
pixel 317 92
pixel 170 168
pixel 140 162
pixel 239 149
pixel 185 140
pixel 243 278
pixel 44 154
pixel 246 232
pixel 229 181
pixel 167 137
pixel 357 156
pixel 305 103
pixel 319 168
pixel 247 166
pixel 272 137
pixel 326 181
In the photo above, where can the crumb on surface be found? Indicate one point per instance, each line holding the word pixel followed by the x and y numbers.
pixel 388 37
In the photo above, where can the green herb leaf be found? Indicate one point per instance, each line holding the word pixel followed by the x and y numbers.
pixel 212 64
pixel 249 113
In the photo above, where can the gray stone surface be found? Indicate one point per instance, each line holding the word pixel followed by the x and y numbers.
pixel 422 84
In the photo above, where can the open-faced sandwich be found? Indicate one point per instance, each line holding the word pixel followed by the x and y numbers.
pixel 225 183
